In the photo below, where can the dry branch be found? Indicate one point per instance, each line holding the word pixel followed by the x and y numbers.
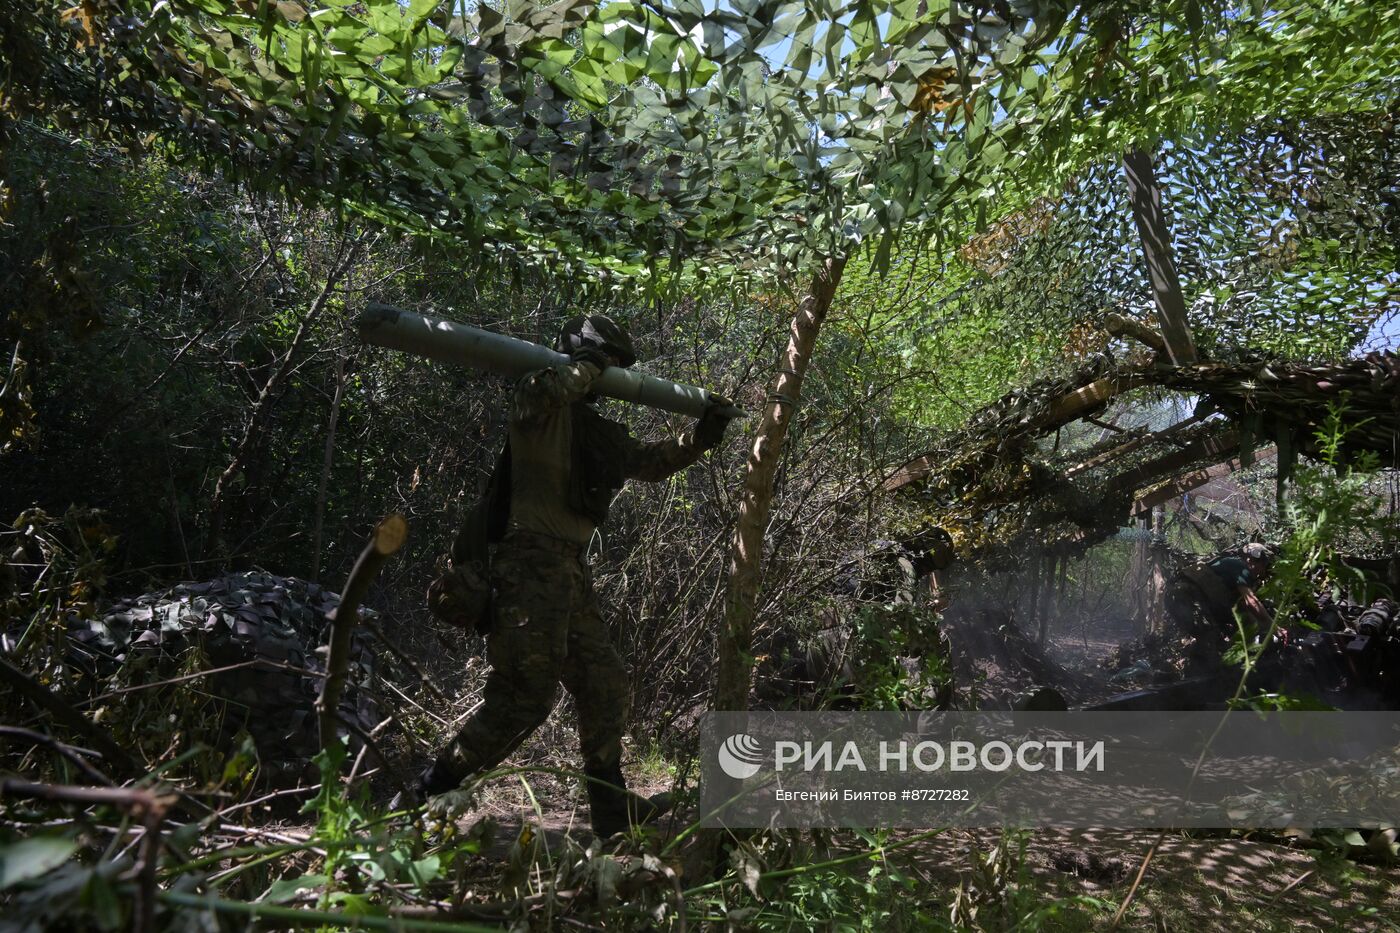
pixel 146 807
pixel 64 713
pixel 258 417
pixel 68 752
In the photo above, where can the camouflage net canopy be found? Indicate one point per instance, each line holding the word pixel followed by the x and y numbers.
pixel 268 629
pixel 1286 237
pixel 993 488
pixel 726 136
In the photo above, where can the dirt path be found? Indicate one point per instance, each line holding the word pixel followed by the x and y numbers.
pixel 1223 883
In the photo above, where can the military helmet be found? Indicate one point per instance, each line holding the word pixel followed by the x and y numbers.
pixel 1260 552
pixel 600 332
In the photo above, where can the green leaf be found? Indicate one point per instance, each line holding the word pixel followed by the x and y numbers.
pixel 425 870
pixel 1194 22
pixel 101 902
pixel 881 261
pixel 352 905
pixel 284 889
pixel 30 858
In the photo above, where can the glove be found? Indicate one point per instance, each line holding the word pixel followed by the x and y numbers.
pixel 709 431
pixel 595 355
pixel 460 597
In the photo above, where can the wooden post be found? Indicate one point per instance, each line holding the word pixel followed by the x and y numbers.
pixel 1151 220
pixel 327 456
pixel 1141 569
pixel 1157 574
pixel 388 536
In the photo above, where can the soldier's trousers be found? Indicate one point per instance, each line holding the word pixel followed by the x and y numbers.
pixel 545 630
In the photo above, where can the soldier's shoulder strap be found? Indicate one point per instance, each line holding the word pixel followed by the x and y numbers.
pixel 595 423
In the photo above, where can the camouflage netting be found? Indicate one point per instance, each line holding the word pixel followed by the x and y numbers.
pixel 1289 402
pixel 993 486
pixel 238 619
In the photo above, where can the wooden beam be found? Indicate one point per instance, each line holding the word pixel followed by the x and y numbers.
pixel 1128 446
pixel 1082 401
pixel 1194 480
pixel 1213 448
pixel 911 472
pixel 1146 199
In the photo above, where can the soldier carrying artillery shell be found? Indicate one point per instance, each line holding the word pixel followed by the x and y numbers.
pixel 562 465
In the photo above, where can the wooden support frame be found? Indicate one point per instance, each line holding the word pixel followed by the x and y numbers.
pixel 1213 447
pixel 1183 484
pixel 1129 445
pixel 1067 408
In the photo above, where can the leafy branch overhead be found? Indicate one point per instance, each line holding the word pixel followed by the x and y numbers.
pixel 734 135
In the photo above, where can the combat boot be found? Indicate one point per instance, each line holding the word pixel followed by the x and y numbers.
pixel 614 809
pixel 643 810
pixel 434 779
pixel 607 800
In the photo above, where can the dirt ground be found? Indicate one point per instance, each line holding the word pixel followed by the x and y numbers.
pixel 1225 883
pixel 1202 881
pixel 1192 882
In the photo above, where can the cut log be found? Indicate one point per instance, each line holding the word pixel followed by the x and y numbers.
pixel 1120 326
pixel 1082 401
pixel 388 536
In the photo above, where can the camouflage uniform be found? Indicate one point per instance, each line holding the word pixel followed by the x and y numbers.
pixel 546 628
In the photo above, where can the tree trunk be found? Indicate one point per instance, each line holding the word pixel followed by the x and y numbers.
pixel 1033 575
pixel 1055 598
pixel 746 552
pixel 1146 198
